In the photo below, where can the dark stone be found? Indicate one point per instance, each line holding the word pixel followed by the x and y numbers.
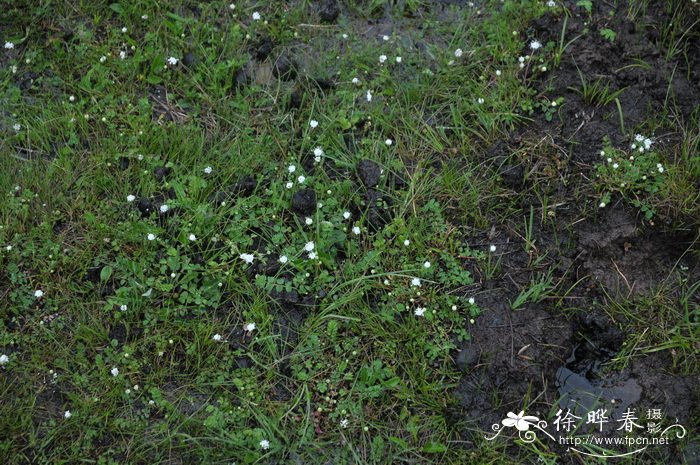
pixel 324 84
pixel 161 173
pixel 296 98
pixel 369 173
pixel 329 11
pixel 284 68
pixel 242 188
pixel 512 175
pixel 189 60
pixel 304 202
pixel 243 76
pixel 145 206
pixel 262 48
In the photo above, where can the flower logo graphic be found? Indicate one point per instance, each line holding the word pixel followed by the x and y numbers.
pixel 521 421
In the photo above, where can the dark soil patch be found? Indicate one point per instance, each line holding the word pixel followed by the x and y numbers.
pixel 536 358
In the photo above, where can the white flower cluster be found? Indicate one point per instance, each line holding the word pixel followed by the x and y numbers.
pixel 641 143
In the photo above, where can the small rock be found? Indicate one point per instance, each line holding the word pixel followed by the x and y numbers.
pixel 304 202
pixel 284 68
pixel 161 173
pixel 369 173
pixel 295 99
pixel 262 48
pixel 242 77
pixel 145 206
pixel 329 11
pixel 189 60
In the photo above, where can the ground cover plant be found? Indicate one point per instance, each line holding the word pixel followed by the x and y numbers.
pixel 346 231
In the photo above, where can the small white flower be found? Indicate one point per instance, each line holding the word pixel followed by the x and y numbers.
pixel 247 257
pixel 344 423
pixel 164 208
pixel 172 61
pixel 8 248
pixel 9 45
pixel 480 101
pixel 661 169
pixel 103 59
pixel 602 205
pixel 144 17
pixel 289 185
pixel 313 123
pixel 250 327
pixel 217 337
pixel 471 301
pixel 426 264
pixel 231 6
pixel 192 237
pixel 283 259
pixel 124 29
pixel 264 444
pixel 406 242
pixel 615 166
pixel 399 59
pixel 492 248
pixel 415 282
pixel 346 215
pixel 292 168
pixel 385 38
pixel 71 98
pixel 458 53
pixel 535 45
pixel 309 221
pixel 369 95
pixel 151 237
pixel 355 81
pixel 38 293
pixel 208 170
pixel 551 3
pixel 521 60
pixel 123 307
pixel 382 58
pixel 114 371
pixel 639 137
pixel 318 152
pixel 356 230
pixel 309 246
pixel 301 179
pixel 67 414
pixel 388 142
pixel 498 72
pixel 312 255
pixel 256 16
pixel 17 127
pixel 4 359
pixel 420 311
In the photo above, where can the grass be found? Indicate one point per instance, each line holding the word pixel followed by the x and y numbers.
pixel 151 214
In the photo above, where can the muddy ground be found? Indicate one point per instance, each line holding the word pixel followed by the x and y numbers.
pixel 537 357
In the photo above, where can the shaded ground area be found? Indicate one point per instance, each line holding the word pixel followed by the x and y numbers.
pixel 538 358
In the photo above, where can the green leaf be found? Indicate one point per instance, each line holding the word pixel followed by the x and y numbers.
pixel 106 273
pixel 434 448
